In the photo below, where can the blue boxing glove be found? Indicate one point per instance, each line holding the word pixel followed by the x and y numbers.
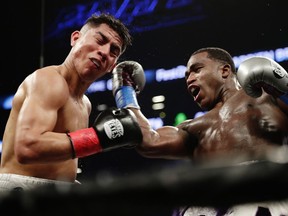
pixel 257 73
pixel 128 80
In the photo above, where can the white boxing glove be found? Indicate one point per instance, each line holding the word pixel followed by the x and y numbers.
pixel 257 73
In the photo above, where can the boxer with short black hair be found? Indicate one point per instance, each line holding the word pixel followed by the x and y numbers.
pixel 47 130
pixel 242 124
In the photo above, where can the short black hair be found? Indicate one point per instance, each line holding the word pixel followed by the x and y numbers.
pixel 218 54
pixel 116 24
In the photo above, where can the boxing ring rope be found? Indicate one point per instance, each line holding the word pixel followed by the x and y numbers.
pixel 156 192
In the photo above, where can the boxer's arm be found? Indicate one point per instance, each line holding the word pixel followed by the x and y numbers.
pixel 166 142
pixel 38 112
pixel 128 80
pixel 35 141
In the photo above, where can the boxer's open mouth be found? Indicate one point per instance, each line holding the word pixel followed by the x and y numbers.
pixel 195 91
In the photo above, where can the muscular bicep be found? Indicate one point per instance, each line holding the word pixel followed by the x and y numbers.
pixel 38 113
pixel 35 117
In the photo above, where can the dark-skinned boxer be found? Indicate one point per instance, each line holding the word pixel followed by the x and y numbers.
pixel 243 124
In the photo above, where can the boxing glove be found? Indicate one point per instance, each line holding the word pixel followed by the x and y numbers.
pixel 113 128
pixel 128 80
pixel 257 73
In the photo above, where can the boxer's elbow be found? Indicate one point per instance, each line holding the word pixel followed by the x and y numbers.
pixel 25 150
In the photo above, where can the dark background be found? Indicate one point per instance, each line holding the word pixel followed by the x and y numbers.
pixel 239 26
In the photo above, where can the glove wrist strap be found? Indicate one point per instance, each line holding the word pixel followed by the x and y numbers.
pixel 126 98
pixel 84 142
